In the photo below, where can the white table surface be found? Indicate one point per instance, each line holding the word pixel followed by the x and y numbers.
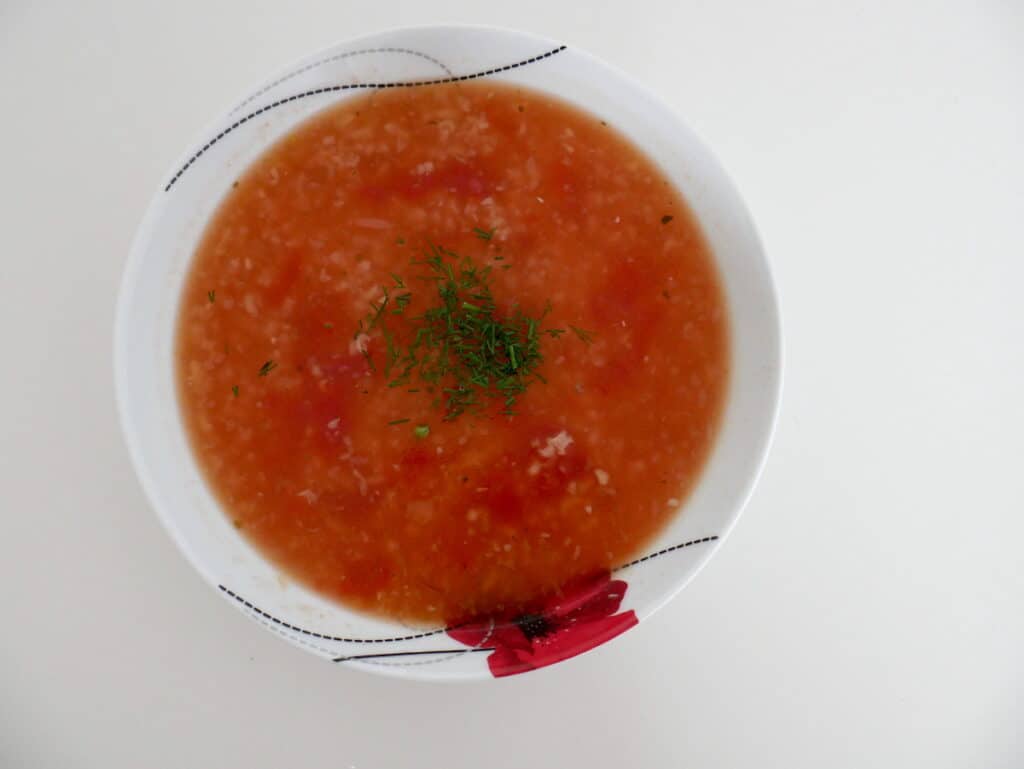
pixel 868 611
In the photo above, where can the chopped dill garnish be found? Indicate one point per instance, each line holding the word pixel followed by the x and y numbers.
pixel 400 241
pixel 483 234
pixel 461 347
pixel 421 431
pixel 234 391
pixel 399 421
pixel 212 296
pixel 267 367
pixel 401 302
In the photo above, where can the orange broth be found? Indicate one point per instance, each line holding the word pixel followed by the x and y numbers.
pixel 488 512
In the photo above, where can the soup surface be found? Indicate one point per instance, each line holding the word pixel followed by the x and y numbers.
pixel 380 496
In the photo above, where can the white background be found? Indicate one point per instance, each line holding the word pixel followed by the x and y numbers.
pixel 868 611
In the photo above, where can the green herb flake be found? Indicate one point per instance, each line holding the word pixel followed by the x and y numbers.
pixel 666 219
pixel 235 391
pixel 212 296
pixel 483 234
pixel 460 347
pixel 421 431
pixel 400 241
pixel 267 367
pixel 584 336
pixel 398 421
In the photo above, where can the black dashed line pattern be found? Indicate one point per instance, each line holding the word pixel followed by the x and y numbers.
pixel 453 652
pixel 314 634
pixel 438 631
pixel 349 87
pixel 280 632
pixel 339 57
pixel 665 551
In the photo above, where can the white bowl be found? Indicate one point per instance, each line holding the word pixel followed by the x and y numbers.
pixel 194 187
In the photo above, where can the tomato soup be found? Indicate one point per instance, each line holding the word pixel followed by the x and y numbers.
pixel 370 489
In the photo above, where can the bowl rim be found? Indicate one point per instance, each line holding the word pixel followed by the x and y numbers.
pixel 135 264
